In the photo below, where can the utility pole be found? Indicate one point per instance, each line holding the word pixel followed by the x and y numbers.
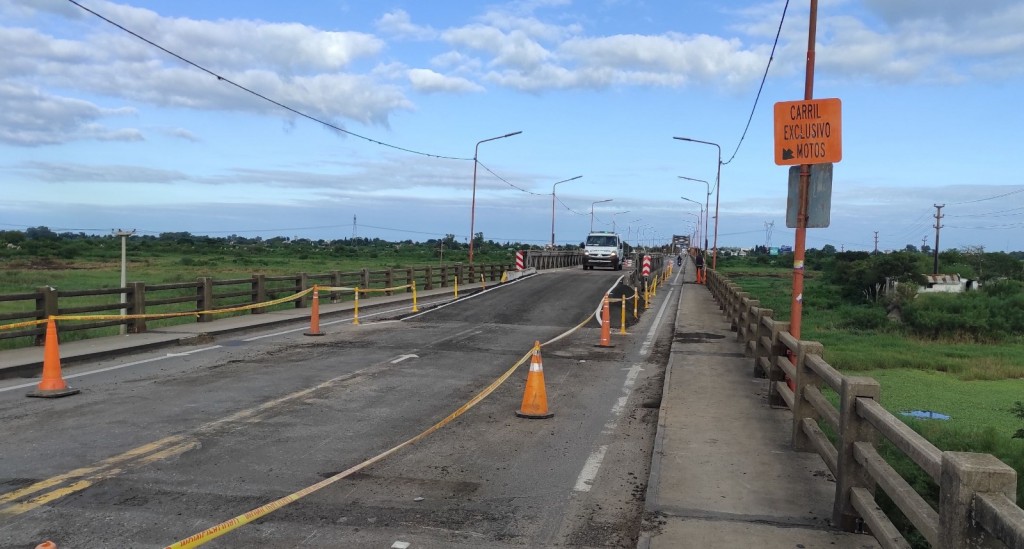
pixel 876 242
pixel 924 242
pixel 938 225
pixel 768 227
pixel 124 282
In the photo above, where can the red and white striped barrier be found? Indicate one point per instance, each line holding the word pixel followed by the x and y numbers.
pixel 520 262
pixel 646 269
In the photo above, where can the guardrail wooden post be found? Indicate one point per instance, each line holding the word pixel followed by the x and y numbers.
pixel 802 409
pixel 459 275
pixel 410 279
pixel 258 292
pixel 852 429
pixel 429 275
pixel 336 282
pixel 137 306
pixel 389 280
pixel 303 283
pixel 204 298
pixel 46 304
pixel 364 278
pixel 444 276
pixel 963 476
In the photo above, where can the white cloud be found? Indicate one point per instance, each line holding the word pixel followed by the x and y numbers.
pixel 399 23
pixel 426 80
pixel 298 65
pixel 31 117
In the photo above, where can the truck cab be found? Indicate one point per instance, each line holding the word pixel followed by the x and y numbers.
pixel 603 249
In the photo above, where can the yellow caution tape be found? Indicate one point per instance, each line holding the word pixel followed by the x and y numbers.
pixel 25 324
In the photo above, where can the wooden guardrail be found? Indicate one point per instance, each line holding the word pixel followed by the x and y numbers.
pixel 209 294
pixel 977 492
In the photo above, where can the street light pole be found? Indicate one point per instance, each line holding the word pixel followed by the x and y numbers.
pixel 613 218
pixel 124 272
pixel 707 206
pixel 472 208
pixel 718 191
pixel 592 212
pixel 699 218
pixel 553 206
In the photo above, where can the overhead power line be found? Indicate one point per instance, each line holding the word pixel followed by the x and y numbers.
pixel 259 95
pixel 761 87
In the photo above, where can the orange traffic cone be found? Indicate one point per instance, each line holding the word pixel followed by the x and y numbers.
pixel 314 316
pixel 606 324
pixel 47 545
pixel 535 398
pixel 52 384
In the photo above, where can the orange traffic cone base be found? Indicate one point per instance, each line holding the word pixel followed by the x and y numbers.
pixel 53 393
pixel 520 413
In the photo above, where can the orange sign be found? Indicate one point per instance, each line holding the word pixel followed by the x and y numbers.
pixel 808 132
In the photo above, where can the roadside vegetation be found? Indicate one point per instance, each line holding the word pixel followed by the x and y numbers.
pixel 956 354
pixel 39 257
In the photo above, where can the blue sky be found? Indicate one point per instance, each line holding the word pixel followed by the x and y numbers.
pixel 100 130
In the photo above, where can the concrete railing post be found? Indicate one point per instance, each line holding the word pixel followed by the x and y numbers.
pixel 389 280
pixel 736 310
pixel 774 373
pixel 303 283
pixel 459 274
pixel 46 304
pixel 137 306
pixel 802 409
pixel 963 476
pixel 364 278
pixel 852 429
pixel 258 293
pixel 759 331
pixel 444 276
pixel 336 282
pixel 204 298
pixel 429 275
pixel 410 279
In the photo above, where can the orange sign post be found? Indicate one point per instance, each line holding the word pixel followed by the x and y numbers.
pixel 808 132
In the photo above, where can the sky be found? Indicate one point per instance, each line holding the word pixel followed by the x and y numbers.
pixel 340 118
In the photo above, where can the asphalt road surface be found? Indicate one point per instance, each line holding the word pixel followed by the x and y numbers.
pixel 163 445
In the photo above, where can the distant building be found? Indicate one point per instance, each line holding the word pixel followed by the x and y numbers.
pixel 947 283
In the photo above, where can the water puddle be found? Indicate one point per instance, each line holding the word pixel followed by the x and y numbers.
pixel 925 414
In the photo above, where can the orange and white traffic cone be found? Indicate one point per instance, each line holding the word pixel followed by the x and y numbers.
pixel 606 324
pixel 52 385
pixel 535 398
pixel 314 315
pixel 47 545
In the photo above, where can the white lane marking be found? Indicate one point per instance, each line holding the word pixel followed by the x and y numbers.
pixel 645 348
pixel 619 406
pixel 590 469
pixel 328 323
pixel 471 296
pixel 118 367
pixel 403 357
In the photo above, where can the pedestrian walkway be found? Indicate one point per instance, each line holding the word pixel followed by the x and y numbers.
pixel 723 472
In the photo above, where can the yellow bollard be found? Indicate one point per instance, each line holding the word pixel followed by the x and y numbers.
pixel 355 313
pixel 456 287
pixel 636 301
pixel 483 283
pixel 647 298
pixel 415 309
pixel 622 321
